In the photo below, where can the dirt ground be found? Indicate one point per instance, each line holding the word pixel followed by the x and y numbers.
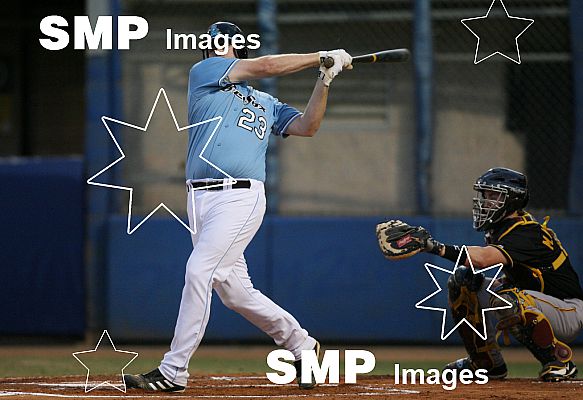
pixel 258 387
pixel 204 385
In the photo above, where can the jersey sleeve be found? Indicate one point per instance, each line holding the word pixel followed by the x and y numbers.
pixel 525 245
pixel 284 116
pixel 210 73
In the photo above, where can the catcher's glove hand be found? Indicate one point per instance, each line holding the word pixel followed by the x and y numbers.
pixel 399 240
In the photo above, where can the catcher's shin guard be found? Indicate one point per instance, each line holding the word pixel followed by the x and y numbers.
pixel 531 328
pixel 463 287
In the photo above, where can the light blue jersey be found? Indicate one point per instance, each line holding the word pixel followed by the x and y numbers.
pixel 249 116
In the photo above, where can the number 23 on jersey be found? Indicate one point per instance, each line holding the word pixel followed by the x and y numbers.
pixel 250 122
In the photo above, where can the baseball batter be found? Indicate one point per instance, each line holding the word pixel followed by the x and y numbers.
pixel 539 282
pixel 226 215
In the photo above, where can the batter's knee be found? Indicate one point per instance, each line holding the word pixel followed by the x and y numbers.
pixel 227 299
pixel 234 296
pixel 231 305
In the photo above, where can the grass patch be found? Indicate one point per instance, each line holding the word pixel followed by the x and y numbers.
pixel 31 365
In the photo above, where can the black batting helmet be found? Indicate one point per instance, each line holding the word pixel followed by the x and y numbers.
pixel 229 29
pixel 500 192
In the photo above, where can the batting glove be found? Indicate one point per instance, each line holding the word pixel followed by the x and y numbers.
pixel 327 74
pixel 341 60
pixel 344 57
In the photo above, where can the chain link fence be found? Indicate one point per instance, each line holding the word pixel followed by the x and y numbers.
pixel 498 112
pixel 363 160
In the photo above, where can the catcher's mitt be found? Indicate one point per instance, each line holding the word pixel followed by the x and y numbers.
pixel 399 240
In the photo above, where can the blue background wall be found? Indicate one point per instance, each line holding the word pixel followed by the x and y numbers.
pixel 42 274
pixel 328 272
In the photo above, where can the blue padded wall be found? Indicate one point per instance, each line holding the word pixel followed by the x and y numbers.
pixel 145 275
pixel 328 272
pixel 42 247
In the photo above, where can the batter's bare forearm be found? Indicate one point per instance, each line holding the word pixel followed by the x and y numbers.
pixel 285 64
pixel 273 65
pixel 309 123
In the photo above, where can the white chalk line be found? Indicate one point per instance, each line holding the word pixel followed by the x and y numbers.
pixel 232 378
pixel 222 396
pixel 380 390
pixel 384 388
pixel 63 384
pixel 371 390
pixel 75 385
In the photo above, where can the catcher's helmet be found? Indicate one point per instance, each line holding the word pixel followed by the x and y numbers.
pixel 500 192
pixel 229 29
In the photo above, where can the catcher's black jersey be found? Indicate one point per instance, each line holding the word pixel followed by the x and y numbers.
pixel 536 258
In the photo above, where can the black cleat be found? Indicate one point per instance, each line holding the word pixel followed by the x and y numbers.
pixel 558 371
pixel 152 381
pixel 498 372
pixel 298 364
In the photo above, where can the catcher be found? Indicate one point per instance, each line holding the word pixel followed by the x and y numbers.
pixel 538 279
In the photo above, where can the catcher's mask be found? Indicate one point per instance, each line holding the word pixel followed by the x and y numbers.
pixel 500 192
pixel 229 29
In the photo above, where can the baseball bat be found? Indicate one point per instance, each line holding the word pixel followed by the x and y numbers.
pixel 385 56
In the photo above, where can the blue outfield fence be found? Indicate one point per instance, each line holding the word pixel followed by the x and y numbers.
pixel 42 240
pixel 328 272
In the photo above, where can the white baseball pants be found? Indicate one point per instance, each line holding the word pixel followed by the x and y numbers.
pixel 225 221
